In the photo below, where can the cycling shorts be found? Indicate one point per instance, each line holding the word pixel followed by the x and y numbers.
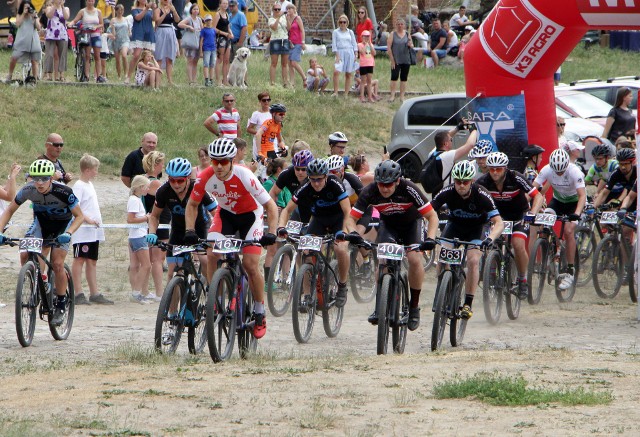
pixel 473 234
pixel 49 232
pixel 407 235
pixel 201 232
pixel 321 226
pixel 560 208
pixel 248 226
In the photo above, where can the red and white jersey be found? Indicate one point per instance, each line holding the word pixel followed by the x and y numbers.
pixel 227 122
pixel 241 193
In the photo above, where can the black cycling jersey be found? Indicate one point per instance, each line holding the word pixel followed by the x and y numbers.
pixel 325 202
pixel 473 211
pixel 288 179
pixel 404 206
pixel 167 199
pixel 617 178
pixel 56 205
pixel 512 200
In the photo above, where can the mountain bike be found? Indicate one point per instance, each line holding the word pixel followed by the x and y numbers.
pixel 500 278
pixel 230 303
pixel 362 275
pixel 83 39
pixel 315 288
pixel 586 240
pixel 33 293
pixel 449 297
pixel 611 252
pixel 548 259
pixel 183 303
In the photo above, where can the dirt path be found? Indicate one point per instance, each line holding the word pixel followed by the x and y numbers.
pixel 102 380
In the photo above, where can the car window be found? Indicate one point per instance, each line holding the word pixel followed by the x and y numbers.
pixel 601 93
pixel 433 112
pixel 562 113
pixel 585 105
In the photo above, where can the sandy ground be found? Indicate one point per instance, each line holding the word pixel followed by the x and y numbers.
pixel 93 384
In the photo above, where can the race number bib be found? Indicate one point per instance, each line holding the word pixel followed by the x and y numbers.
pixel 227 245
pixel 309 242
pixel 508 228
pixel 294 227
pixel 450 256
pixel 30 245
pixel 177 250
pixel 545 219
pixel 390 251
pixel 609 218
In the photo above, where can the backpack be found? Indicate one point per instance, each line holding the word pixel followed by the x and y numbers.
pixel 431 175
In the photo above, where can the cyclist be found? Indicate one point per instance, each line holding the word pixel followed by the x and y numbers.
pixel 57 216
pixel 533 153
pixel 470 206
pixel 174 195
pixel 480 151
pixel 509 190
pixel 602 169
pixel 401 205
pixel 338 146
pixel 351 182
pixel 569 198
pixel 325 200
pixel 270 132
pixel 242 200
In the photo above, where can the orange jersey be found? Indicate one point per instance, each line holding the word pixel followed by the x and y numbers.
pixel 269 137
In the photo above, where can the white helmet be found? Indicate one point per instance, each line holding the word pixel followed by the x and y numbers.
pixel 497 159
pixel 463 170
pixel 481 149
pixel 222 148
pixel 338 137
pixel 559 160
pixel 335 162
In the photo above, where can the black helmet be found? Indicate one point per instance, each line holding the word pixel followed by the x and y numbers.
pixel 601 150
pixel 387 171
pixel 532 150
pixel 277 107
pixel 626 154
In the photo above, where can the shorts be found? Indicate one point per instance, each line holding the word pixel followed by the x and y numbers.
pixel 473 234
pixel 209 58
pixel 86 250
pixel 104 55
pixel 322 82
pixel 440 52
pixel 248 226
pixel 295 54
pixel 366 70
pixel 96 41
pixel 402 71
pixel 321 226
pixel 49 232
pixel 279 47
pixel 24 57
pixel 406 235
pixel 520 229
pixel 136 244
pixel 557 76
pixel 177 238
pixel 367 219
pixel 192 53
pixel 222 42
pixel 561 208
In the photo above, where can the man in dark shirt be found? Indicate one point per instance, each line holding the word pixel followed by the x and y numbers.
pixel 53 150
pixel 133 162
pixel 438 41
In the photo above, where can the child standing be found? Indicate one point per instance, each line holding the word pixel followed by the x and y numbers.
pixel 86 240
pixel 148 72
pixel 104 50
pixel 139 260
pixel 366 52
pixel 317 79
pixel 208 50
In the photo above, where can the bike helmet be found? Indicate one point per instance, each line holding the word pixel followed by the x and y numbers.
pixel 317 167
pixel 178 168
pixel 222 148
pixel 626 154
pixel 42 167
pixel 302 158
pixel 532 150
pixel 482 149
pixel 601 150
pixel 559 160
pixel 463 170
pixel 335 162
pixel 497 159
pixel 338 137
pixel 277 107
pixel 387 171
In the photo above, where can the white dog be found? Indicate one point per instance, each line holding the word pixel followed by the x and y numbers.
pixel 238 68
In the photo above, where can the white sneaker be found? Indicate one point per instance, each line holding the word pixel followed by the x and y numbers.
pixel 137 297
pixel 151 297
pixel 2 305
pixel 567 281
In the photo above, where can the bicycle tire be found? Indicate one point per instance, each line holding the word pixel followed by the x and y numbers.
pixel 568 294
pixel 361 287
pixel 279 286
pixel 382 311
pixel 458 325
pixel 537 270
pixel 196 336
pixel 586 247
pixel 631 271
pixel 428 259
pixel 170 318
pixel 440 310
pixel 512 302
pixel 303 327
pixel 607 268
pixel 62 332
pixel 26 304
pixel 221 316
pixel 331 314
pixel 492 290
pixel 79 65
pixel 247 343
pixel 401 303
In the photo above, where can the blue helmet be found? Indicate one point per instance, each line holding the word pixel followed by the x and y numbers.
pixel 302 158
pixel 178 168
pixel 481 149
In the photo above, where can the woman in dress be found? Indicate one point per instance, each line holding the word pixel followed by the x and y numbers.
pixel 166 42
pixel 26 46
pixel 121 34
pixel 143 37
pixel 192 24
pixel 620 118
pixel 346 50
pixel 56 41
pixel 223 42
pixel 279 45
pixel 398 46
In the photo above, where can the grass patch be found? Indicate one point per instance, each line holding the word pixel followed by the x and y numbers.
pixel 318 417
pixel 136 353
pixel 513 391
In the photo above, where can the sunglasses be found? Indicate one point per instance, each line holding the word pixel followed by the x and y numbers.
pixel 180 180
pixel 360 12
pixel 265 100
pixel 561 124
pixel 276 9
pixel 342 22
pixel 281 114
pixel 229 101
pixel 316 180
pixel 57 144
pixel 300 168
pixel 385 185
pixel 461 182
pixel 41 179
pixel 496 169
pixel 336 172
pixel 220 161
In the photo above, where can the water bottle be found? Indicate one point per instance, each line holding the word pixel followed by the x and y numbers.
pixel 47 284
pixel 10 41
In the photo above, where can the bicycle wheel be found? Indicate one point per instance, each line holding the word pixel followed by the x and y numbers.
pixel 428 259
pixel 440 309
pixel 196 336
pixel 331 314
pixel 220 323
pixel 362 278
pixel 537 270
pixel 492 290
pixel 586 247
pixel 512 302
pixel 26 304
pixel 382 311
pixel 79 65
pixel 62 332
pixel 280 280
pixel 632 270
pixel 458 324
pixel 247 343
pixel 171 316
pixel 567 294
pixel 303 311
pixel 607 268
pixel 400 311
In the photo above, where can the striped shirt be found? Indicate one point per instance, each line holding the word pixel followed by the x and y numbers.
pixel 227 122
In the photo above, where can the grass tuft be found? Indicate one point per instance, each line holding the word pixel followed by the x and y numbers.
pixel 137 353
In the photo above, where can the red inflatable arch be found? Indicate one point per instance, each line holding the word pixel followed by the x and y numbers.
pixel 522 43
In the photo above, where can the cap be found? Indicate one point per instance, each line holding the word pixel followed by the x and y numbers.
pixel 572 145
pixel 208 17
pixel 233 2
pixel 366 33
pixel 468 28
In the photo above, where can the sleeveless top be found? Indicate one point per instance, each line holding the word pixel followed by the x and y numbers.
pixel 223 23
pixel 91 19
pixel 56 28
pixel 400 49
pixel 168 19
pixel 295 34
